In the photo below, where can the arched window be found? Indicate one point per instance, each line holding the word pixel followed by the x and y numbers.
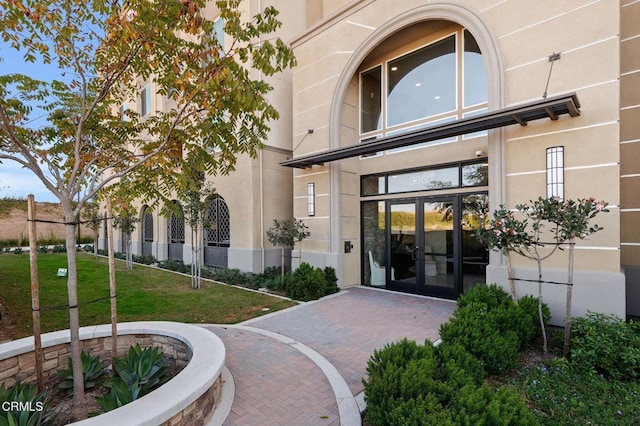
pixel 217 229
pixel 443 80
pixel 175 232
pixel 176 225
pixel 146 231
pixel 147 225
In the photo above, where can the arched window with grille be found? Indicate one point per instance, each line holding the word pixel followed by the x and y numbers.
pixel 175 232
pixel 217 232
pixel 146 231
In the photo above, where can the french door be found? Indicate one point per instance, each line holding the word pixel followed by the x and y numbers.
pixel 421 245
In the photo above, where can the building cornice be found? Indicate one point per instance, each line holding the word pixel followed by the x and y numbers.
pixel 330 21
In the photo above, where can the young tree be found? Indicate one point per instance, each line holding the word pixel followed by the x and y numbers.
pixel 194 193
pixel 101 53
pixel 91 215
pixel 126 221
pixel 285 233
pixel 560 222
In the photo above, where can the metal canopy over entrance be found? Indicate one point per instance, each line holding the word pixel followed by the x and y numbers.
pixel 551 108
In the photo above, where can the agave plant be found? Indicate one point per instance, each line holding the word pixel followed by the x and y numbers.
pixel 135 375
pixel 23 405
pixel 93 373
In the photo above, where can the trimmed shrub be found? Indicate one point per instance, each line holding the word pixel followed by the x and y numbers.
pixel 271 272
pixel 479 331
pixel 60 248
pixel 306 283
pixel 491 327
pixel 145 260
pixel 174 265
pixel 529 305
pixel 607 345
pixel 331 280
pixel 421 385
pixel 491 295
pixel 43 249
pixel 386 385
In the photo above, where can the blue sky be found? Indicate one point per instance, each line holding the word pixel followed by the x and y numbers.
pixel 14 180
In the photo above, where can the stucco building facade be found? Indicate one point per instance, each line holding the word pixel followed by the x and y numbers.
pixel 401 119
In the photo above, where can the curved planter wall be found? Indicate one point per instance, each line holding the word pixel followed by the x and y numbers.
pixel 189 398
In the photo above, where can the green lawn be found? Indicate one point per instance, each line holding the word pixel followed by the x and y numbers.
pixel 143 294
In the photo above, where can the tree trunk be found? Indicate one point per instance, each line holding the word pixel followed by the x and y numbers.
pixel 35 291
pixel 95 243
pixel 112 283
pixel 512 283
pixel 544 332
pixel 129 254
pixel 282 264
pixel 72 293
pixel 567 318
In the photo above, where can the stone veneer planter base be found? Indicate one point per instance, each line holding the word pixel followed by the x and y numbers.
pixel 189 398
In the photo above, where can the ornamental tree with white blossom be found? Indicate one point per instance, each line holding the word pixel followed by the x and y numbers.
pixel 562 222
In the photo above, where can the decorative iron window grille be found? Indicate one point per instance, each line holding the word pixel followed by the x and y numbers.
pixel 176 226
pixel 217 224
pixel 555 172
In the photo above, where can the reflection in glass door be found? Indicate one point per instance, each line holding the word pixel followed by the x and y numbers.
pixel 403 246
pixel 438 248
pixel 424 245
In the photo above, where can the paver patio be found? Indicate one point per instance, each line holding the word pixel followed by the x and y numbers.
pixel 278 384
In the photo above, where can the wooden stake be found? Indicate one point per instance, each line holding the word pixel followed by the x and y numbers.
pixel 112 282
pixel 35 296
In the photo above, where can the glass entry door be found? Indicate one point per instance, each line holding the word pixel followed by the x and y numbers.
pixel 421 246
pixel 438 248
pixel 403 245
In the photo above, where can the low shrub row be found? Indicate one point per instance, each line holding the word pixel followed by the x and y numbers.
pixel 49 241
pixel 424 385
pixel 305 283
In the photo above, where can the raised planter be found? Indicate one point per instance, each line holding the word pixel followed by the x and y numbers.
pixel 189 398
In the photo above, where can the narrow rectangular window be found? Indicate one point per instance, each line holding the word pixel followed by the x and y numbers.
pixel 122 111
pixel 311 199
pixel 555 172
pixel 371 100
pixel 145 100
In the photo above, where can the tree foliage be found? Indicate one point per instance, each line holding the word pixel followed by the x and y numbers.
pixel 99 55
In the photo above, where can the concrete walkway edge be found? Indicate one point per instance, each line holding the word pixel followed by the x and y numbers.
pixel 347 405
pixel 226 399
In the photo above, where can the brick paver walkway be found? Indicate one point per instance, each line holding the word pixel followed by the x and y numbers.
pixel 275 383
pixel 278 384
pixel 347 328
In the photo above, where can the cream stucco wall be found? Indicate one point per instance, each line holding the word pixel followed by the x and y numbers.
pixel 516 46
